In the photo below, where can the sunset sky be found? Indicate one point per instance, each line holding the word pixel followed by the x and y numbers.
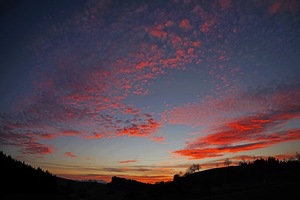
pixel 143 89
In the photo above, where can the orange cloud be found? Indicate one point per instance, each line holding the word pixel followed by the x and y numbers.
pixel 158 139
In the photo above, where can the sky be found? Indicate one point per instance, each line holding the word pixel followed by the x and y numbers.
pixel 143 89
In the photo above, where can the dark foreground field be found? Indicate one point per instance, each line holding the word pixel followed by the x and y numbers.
pixel 284 190
pixel 262 179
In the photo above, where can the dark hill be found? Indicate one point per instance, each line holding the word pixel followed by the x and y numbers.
pixel 18 177
pixel 22 181
pixel 261 179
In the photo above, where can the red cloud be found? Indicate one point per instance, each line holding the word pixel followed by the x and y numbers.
pixel 142 65
pixel 158 33
pixel 127 161
pixel 235 133
pixel 291 6
pixel 241 135
pixel 70 133
pixel 70 154
pixel 185 24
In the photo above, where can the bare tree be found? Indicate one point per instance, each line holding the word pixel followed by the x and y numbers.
pixel 192 169
pixel 227 162
pixel 242 162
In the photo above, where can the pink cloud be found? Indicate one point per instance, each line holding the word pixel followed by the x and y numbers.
pixel 70 154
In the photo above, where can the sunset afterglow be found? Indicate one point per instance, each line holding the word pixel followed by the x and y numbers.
pixel 143 89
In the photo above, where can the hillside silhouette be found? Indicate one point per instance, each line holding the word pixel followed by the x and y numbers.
pixel 18 177
pixel 263 178
pixel 22 181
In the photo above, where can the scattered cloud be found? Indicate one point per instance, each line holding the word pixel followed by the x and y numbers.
pixel 81 86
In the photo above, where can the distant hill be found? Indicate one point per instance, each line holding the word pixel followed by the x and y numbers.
pixel 260 179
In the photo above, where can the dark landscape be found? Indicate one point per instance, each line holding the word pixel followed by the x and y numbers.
pixel 262 178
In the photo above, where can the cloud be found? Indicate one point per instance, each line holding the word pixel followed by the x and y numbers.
pixel 185 24
pixel 218 110
pixel 232 127
pixel 70 154
pixel 88 66
pixel 70 133
pixel 26 142
pixel 158 139
pixel 279 6
pixel 208 24
pixel 242 135
pixel 127 161
pixel 158 33
pixel 225 4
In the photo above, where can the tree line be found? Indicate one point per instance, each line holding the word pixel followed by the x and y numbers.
pixel 19 177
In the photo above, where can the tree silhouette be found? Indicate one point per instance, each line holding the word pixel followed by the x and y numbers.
pixel 242 162
pixel 297 156
pixel 227 162
pixel 20 177
pixel 192 169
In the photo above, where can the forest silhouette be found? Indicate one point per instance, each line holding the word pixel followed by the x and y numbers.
pixel 261 178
